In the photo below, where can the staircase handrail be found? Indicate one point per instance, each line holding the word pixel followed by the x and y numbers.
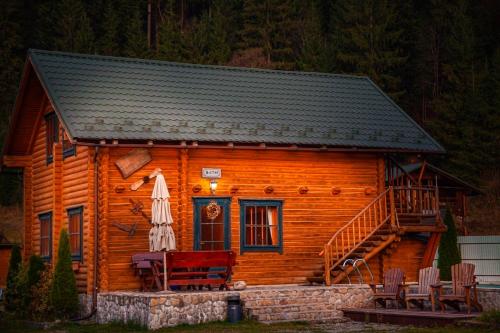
pixel 377 209
pixel 348 224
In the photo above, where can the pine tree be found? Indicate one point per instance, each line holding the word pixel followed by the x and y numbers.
pixel 456 109
pixel 135 40
pixel 63 293
pixel 449 254
pixel 271 26
pixel 108 40
pixel 314 50
pixel 11 59
pixel 172 43
pixel 367 41
pixel 15 265
pixel 210 36
pixel 72 30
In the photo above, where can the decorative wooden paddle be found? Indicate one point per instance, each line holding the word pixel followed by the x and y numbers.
pixel 130 229
pixel 135 186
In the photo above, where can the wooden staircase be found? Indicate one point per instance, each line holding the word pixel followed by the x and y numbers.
pixel 371 231
pixel 404 205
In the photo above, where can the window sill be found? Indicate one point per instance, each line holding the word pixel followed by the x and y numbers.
pixel 76 266
pixel 276 249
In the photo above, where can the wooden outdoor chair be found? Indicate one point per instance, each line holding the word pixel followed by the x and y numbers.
pixel 463 288
pixel 427 278
pixel 391 288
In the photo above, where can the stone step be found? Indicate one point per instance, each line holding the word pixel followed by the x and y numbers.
pixel 317 315
pixel 290 308
pixel 286 301
pixel 335 320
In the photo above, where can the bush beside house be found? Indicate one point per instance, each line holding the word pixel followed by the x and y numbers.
pixel 15 265
pixel 63 293
pixel 449 253
pixel 37 292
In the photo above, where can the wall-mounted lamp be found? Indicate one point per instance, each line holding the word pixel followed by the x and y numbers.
pixel 213 186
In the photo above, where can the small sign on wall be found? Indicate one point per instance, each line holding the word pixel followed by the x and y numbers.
pixel 211 173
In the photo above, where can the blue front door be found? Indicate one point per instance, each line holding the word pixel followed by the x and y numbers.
pixel 212 229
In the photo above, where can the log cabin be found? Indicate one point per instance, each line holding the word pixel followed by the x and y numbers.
pixel 300 165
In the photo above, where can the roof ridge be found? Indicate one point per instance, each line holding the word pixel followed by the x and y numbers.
pixel 186 64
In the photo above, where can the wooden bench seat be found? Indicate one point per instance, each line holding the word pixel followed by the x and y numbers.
pixel 200 268
pixel 193 268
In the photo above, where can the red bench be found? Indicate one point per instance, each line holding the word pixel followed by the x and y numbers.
pixel 192 269
pixel 200 268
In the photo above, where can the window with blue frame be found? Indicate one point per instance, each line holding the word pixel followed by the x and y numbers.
pixel 45 235
pixel 68 148
pixel 75 227
pixel 261 225
pixel 52 134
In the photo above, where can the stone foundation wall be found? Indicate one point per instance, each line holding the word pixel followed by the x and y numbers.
pixel 489 298
pixel 163 309
pixel 85 304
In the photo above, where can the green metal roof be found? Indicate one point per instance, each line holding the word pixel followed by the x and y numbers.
pixel 102 97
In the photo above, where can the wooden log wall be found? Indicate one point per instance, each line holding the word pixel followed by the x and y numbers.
pixel 42 185
pixel 309 219
pixel 55 188
pixel 406 254
pixel 120 246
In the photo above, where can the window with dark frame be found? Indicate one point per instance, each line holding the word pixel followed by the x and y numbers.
pixel 261 226
pixel 45 235
pixel 69 149
pixel 75 226
pixel 52 134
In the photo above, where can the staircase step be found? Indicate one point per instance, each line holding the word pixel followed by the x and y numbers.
pixel 371 242
pixel 316 279
pixel 383 232
pixel 379 237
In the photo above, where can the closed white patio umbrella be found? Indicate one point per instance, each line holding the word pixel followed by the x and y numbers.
pixel 161 235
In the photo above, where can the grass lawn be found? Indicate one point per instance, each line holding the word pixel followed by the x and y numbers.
pixel 9 325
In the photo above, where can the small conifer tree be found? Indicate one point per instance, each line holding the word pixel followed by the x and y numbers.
pixel 35 269
pixel 15 264
pixel 63 293
pixel 449 254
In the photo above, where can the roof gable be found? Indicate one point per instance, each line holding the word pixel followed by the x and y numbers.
pixel 101 97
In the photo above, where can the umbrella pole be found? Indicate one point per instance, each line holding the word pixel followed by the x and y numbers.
pixel 165 270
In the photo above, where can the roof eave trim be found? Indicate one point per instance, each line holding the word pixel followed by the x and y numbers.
pixel 244 145
pixel 49 93
pixel 440 149
pixel 471 187
pixel 17 105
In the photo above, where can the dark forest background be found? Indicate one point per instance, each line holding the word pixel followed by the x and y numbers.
pixel 439 60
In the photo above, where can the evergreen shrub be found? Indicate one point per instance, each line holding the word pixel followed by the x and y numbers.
pixel 449 254
pixel 63 292
pixel 15 264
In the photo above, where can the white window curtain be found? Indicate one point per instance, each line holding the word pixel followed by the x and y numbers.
pixel 272 224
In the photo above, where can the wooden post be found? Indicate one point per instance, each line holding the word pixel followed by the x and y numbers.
pixel 393 206
pixel 328 281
